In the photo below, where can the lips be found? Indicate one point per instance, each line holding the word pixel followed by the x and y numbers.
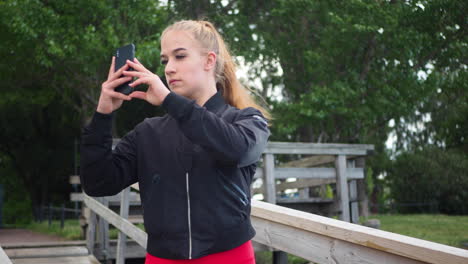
pixel 172 81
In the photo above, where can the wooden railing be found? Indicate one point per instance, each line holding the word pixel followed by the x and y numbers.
pixel 316 238
pixel 4 259
pixel 312 237
pixel 344 173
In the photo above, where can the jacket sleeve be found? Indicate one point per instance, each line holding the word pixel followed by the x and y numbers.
pixel 241 142
pixel 104 171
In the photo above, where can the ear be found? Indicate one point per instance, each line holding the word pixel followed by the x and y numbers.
pixel 210 62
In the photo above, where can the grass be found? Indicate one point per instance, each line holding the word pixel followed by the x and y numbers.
pixel 445 229
pixel 70 231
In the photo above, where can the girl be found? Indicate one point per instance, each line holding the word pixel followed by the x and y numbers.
pixel 195 164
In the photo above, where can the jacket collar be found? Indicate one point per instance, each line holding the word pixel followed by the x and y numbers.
pixel 215 102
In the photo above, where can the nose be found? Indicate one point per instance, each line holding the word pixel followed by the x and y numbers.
pixel 170 68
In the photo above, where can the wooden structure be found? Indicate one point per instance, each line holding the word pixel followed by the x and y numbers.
pixel 47 253
pixel 313 237
pixel 316 238
pixel 344 174
pixel 3 257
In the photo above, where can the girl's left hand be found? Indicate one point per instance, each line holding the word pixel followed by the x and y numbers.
pixel 156 92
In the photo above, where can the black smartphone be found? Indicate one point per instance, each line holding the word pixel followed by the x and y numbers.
pixel 123 54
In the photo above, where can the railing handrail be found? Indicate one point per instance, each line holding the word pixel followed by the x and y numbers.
pixel 279 147
pixel 405 246
pixel 140 236
pixel 297 232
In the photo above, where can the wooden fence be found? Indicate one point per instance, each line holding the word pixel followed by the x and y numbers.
pixel 316 238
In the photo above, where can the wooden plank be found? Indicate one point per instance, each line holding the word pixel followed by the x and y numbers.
pixel 342 187
pixel 353 200
pixel 135 186
pixel 113 200
pixel 47 252
pixel 312 148
pixel 373 241
pixel 91 231
pixel 300 183
pixel 122 238
pixel 317 248
pixel 74 179
pixel 103 231
pixel 122 224
pixel 304 200
pixel 269 179
pixel 313 161
pixel 133 250
pixel 4 259
pixel 60 260
pixel 318 148
pixel 44 244
pixel 353 196
pixel 313 173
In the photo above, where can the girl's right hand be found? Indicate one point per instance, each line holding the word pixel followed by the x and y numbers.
pixel 110 100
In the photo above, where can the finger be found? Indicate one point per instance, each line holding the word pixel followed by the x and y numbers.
pixel 118 73
pixel 134 73
pixel 138 94
pixel 111 70
pixel 137 61
pixel 120 96
pixel 138 67
pixel 140 81
pixel 113 84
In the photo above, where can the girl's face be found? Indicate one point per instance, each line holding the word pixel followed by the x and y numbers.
pixel 187 69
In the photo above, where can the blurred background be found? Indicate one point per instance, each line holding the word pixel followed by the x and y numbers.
pixel 388 73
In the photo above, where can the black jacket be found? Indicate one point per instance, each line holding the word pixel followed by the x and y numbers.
pixel 194 166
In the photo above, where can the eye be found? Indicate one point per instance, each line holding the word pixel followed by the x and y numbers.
pixel 179 57
pixel 163 62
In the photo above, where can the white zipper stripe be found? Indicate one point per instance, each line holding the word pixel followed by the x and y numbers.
pixel 188 214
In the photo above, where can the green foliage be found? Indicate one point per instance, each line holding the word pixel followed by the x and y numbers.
pixel 70 231
pixel 16 202
pixel 56 55
pixel 431 175
pixel 342 70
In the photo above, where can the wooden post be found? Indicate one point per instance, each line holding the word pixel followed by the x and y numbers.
pixel 304 193
pixel 103 232
pixel 269 183
pixel 353 196
pixel 269 178
pixel 362 189
pixel 342 187
pixel 122 239
pixel 91 232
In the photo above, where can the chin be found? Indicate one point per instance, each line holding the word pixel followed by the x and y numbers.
pixel 179 90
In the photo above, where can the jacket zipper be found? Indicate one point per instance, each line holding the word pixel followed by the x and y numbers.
pixel 188 214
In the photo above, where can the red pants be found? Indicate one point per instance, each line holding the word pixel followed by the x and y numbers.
pixel 243 254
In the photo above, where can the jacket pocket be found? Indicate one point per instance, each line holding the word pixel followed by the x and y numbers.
pixel 154 210
pixel 234 190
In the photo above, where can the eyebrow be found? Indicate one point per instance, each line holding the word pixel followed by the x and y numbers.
pixel 174 51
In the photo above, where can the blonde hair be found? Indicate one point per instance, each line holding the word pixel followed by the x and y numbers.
pixel 233 91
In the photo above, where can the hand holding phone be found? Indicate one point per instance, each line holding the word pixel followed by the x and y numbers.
pixel 123 54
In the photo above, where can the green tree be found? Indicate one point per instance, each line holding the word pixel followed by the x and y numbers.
pixel 428 176
pixel 56 55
